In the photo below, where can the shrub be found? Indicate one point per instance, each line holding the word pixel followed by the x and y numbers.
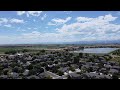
pixel 25 50
pixel 11 52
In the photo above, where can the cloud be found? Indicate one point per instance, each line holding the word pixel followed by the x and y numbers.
pixel 20 12
pixel 83 29
pixel 7 22
pixel 28 28
pixel 105 18
pixel 42 18
pixel 8 25
pixel 29 13
pixel 68 12
pixel 95 28
pixel 3 20
pixel 58 21
pixel 16 21
pixel 50 23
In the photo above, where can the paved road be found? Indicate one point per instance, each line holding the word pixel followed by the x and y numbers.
pixel 53 75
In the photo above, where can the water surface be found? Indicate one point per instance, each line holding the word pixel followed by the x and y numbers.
pixel 96 50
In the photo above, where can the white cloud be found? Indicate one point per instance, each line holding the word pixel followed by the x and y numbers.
pixel 68 12
pixel 28 28
pixel 105 18
pixel 7 22
pixel 34 13
pixel 42 18
pixel 21 30
pixel 96 28
pixel 83 19
pixel 58 21
pixel 20 12
pixel 84 29
pixel 3 20
pixel 35 28
pixel 49 23
pixel 8 25
pixel 34 20
pixel 28 13
pixel 16 21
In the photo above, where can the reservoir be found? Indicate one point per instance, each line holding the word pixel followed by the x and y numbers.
pixel 96 50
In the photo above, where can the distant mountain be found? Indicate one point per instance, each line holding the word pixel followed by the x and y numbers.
pixel 95 42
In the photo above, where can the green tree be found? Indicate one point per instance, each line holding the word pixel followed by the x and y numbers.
pixel 25 50
pixel 76 59
pixel 11 52
pixel 60 73
pixel 16 69
pixel 42 51
pixel 80 55
pixel 72 69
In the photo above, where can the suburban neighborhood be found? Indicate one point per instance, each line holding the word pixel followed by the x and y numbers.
pixel 58 65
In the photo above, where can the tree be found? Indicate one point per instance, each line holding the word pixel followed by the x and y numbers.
pixel 5 71
pixel 60 73
pixel 15 69
pixel 30 67
pixel 11 52
pixel 25 50
pixel 32 72
pixel 80 55
pixel 56 62
pixel 43 51
pixel 72 69
pixel 115 76
pixel 76 60
pixel 44 64
pixel 13 64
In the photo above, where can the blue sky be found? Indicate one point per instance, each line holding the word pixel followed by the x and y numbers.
pixel 21 27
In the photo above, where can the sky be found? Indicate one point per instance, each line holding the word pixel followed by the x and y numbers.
pixel 33 27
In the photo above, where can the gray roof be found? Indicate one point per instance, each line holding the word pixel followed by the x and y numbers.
pixel 14 75
pixel 85 66
pixel 93 75
pixel 3 77
pixel 43 75
pixel 113 71
pixel 116 67
pixel 33 77
pixel 74 65
pixel 63 69
pixel 108 66
pixel 74 75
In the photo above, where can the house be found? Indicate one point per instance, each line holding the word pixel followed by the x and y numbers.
pixel 14 75
pixel 103 70
pixel 43 75
pixel 107 66
pixel 33 77
pixel 116 67
pixel 28 63
pixel 85 67
pixel 3 77
pixel 63 69
pixel 11 57
pixel 92 75
pixel 29 58
pixel 74 76
pixel 26 72
pixel 77 70
pixel 74 66
pixel 113 71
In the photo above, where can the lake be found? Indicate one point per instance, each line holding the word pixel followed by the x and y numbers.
pixel 96 50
